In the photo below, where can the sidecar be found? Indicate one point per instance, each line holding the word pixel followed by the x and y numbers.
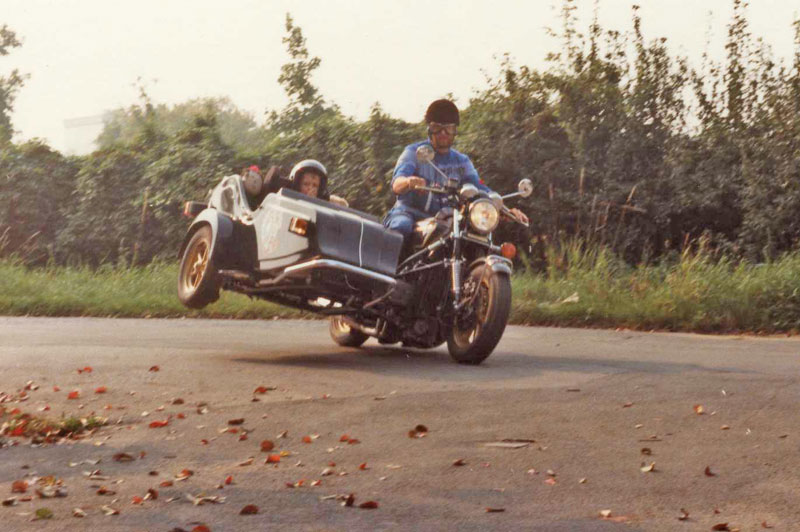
pixel 271 242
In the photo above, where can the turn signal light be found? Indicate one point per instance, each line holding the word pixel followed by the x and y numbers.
pixel 298 226
pixel 508 250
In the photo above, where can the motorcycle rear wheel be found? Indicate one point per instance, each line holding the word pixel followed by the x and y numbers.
pixel 473 339
pixel 345 335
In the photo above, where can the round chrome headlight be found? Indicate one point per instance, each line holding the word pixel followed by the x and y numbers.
pixel 484 216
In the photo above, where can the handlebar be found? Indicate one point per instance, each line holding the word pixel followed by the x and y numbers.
pixel 435 190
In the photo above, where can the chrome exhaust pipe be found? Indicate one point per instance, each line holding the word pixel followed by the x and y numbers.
pixel 322 264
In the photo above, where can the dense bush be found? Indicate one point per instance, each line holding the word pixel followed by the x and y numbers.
pixel 629 147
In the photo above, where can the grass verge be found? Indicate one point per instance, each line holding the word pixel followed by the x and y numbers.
pixel 584 287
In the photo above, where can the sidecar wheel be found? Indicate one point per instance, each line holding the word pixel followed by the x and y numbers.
pixel 345 335
pixel 473 338
pixel 198 283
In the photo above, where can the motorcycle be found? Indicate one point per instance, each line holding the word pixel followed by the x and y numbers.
pixel 260 238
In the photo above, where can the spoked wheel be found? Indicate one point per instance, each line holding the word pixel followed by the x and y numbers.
pixel 345 335
pixel 198 283
pixel 480 325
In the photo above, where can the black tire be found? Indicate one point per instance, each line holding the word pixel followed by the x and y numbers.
pixel 198 282
pixel 345 335
pixel 473 339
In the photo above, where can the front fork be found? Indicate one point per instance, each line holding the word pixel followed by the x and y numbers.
pixel 456 263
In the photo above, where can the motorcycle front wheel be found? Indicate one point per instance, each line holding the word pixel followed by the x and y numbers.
pixel 478 328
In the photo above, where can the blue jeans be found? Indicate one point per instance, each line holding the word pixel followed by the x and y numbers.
pixel 400 221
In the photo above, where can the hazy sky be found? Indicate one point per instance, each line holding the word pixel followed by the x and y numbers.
pixel 84 56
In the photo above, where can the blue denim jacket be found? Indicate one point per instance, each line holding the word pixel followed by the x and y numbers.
pixel 452 163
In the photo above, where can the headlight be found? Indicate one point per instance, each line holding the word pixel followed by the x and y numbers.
pixel 483 216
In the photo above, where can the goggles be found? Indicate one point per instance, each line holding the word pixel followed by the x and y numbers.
pixel 434 128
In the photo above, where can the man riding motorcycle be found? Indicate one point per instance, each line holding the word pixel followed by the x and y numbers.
pixel 412 205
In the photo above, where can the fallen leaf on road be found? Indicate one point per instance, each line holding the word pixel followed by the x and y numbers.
pixel 349 500
pixel 48 492
pixel 648 468
pixel 344 437
pixel 228 480
pixel 109 510
pixel 495 510
pixel 137 500
pixel 264 389
pixel 87 369
pixel 74 394
pixel 459 462
pixel 78 512
pixel 307 439
pixel 184 474
pixel 123 457
pixel 316 483
pixel 283 434
pixel 101 389
pixel 11 501
pixel 765 525
pixel 166 484
pixel 200 500
pixel 627 405
pixel 250 509
pixel 353 441
pixel 724 427
pixel 273 459
pixel 154 368
pixel 19 486
pixel 368 505
pixel 247 462
pixel 267 446
pixel 708 472
pixel 605 514
pixel 582 481
pixel 159 424
pixel 105 491
pixel 720 526
pixel 647 451
pixel 420 431
pixel 550 481
pixel 699 410
pixel 327 472
pixel 201 528
pixel 237 421
pixel 507 444
pixel 684 515
pixel 43 513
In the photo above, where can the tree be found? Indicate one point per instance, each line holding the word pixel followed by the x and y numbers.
pixel 305 103
pixel 9 85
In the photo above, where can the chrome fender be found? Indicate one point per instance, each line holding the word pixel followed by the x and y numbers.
pixel 497 263
pixel 221 229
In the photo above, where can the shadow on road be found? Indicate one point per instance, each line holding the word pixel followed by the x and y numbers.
pixel 437 364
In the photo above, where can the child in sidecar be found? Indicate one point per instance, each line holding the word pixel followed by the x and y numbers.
pixel 308 177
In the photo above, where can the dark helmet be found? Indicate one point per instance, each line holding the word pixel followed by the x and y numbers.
pixel 443 112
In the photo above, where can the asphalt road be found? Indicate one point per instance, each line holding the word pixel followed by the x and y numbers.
pixel 589 402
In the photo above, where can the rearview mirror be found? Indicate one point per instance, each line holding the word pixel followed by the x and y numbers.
pixel 525 188
pixel 425 153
